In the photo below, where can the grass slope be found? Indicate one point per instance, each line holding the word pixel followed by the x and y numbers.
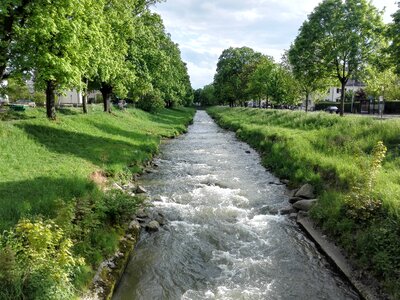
pixel 333 153
pixel 46 167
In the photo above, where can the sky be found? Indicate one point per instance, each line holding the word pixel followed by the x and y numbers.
pixel 203 29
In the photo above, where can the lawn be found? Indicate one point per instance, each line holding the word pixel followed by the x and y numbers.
pixel 46 168
pixel 335 154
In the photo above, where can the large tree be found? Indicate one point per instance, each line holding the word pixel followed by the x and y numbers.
pixel 51 44
pixel 394 35
pixel 233 74
pixel 259 85
pixel 345 36
pixel 304 61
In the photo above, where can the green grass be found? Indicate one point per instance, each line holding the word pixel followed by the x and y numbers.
pixel 45 169
pixel 333 154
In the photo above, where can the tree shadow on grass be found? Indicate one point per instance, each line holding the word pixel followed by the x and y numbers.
pixel 110 129
pixel 40 196
pixel 169 117
pixel 101 151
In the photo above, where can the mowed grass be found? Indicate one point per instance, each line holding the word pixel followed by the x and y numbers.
pixel 333 154
pixel 46 164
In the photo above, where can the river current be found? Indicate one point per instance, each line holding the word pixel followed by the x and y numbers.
pixel 220 241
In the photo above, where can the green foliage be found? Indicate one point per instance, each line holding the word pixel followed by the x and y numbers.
pixel 342 38
pixel 151 102
pixel 362 203
pixel 394 36
pixel 206 96
pixel 38 262
pixel 234 69
pixel 45 170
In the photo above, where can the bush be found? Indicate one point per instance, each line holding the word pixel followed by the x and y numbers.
pixel 151 102
pixel 36 262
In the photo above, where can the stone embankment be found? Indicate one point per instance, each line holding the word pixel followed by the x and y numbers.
pixel 301 201
pixel 146 218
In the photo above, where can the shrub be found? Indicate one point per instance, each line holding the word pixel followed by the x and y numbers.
pixel 361 203
pixel 151 102
pixel 37 262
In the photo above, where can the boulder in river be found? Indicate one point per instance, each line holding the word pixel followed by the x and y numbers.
pixel 306 192
pixel 287 210
pixel 153 226
pixel 293 200
pixel 304 205
pixel 140 190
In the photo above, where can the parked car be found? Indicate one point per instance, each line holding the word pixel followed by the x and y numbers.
pixel 25 103
pixel 332 109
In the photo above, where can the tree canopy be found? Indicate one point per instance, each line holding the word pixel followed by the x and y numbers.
pixel 343 38
pixel 119 46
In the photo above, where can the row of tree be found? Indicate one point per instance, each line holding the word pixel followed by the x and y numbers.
pixel 117 46
pixel 340 40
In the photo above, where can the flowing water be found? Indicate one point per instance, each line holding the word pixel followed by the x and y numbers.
pixel 220 241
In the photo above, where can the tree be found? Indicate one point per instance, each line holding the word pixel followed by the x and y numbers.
pixel 346 36
pixel 283 87
pixel 394 35
pixel 50 44
pixel 12 13
pixel 233 73
pixel 304 62
pixel 259 86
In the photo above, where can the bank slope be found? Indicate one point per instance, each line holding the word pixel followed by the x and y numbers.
pixel 336 155
pixel 51 170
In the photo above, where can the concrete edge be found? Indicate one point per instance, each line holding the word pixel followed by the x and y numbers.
pixel 334 254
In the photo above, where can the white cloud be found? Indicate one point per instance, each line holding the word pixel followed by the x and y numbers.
pixel 203 29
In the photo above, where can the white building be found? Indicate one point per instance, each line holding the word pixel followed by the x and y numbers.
pixel 74 97
pixel 334 93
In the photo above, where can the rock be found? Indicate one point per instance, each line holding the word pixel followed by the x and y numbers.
pixel 140 190
pixel 142 220
pixel 304 205
pixel 134 225
pixel 285 181
pixel 132 194
pixel 287 210
pixel 160 218
pixel 153 226
pixel 157 199
pixel 293 200
pixel 248 151
pixel 142 213
pixel 302 214
pixel 267 210
pixel 116 186
pixel 306 191
pixel 156 165
pixel 293 216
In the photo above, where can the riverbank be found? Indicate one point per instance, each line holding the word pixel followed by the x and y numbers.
pixel 336 156
pixel 56 182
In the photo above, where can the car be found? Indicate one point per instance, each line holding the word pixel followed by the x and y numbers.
pixel 332 109
pixel 25 102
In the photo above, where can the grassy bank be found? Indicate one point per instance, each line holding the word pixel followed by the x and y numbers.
pixel 360 210
pixel 50 173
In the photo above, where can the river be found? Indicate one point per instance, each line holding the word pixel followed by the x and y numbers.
pixel 220 241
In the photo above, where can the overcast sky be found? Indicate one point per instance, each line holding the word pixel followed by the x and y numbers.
pixel 203 29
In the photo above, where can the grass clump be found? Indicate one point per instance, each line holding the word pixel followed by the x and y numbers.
pixel 354 164
pixel 47 180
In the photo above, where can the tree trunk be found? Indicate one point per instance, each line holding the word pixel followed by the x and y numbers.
pixel 85 97
pixel 51 99
pixel 106 91
pixel 343 81
pixel 307 97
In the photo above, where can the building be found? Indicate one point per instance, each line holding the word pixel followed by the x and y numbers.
pixel 74 98
pixel 334 93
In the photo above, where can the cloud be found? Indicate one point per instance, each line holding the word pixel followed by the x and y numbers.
pixel 203 29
